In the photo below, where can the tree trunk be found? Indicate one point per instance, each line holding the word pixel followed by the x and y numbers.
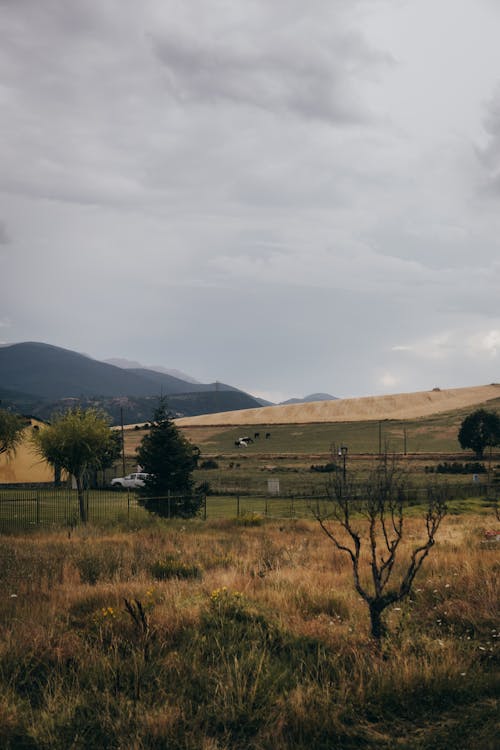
pixel 377 626
pixel 81 499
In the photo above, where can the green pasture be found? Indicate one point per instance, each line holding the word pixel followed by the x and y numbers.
pixel 23 510
pixel 251 474
pixel 435 434
pixel 432 436
pixel 45 507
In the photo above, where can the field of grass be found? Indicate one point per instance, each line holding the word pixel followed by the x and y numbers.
pixel 289 452
pixel 244 631
pixel 242 634
pixel 31 510
pixel 434 434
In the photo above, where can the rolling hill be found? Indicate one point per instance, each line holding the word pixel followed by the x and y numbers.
pixel 398 406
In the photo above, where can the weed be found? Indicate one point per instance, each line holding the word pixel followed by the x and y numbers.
pixel 171 567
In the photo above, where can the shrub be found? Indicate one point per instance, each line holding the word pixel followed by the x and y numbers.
pixel 322 603
pixel 456 467
pixel 172 567
pixel 209 464
pixel 203 488
pixel 250 519
pixel 324 468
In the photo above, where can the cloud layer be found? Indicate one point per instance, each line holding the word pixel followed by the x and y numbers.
pixel 290 198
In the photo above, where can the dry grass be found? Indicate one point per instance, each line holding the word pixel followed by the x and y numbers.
pixel 398 406
pixel 270 647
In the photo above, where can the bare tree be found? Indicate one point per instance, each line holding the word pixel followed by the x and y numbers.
pixel 366 522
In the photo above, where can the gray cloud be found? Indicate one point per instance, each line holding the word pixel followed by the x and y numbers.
pixel 4 236
pixel 490 154
pixel 283 196
pixel 271 70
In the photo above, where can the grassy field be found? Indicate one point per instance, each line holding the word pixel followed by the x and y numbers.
pixel 242 634
pixel 291 450
pixel 244 631
pixel 46 508
pixel 435 434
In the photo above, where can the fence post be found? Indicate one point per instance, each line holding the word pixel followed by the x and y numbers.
pixel 128 504
pixel 38 508
pixel 265 507
pixel 204 507
pixel 237 506
pixel 168 500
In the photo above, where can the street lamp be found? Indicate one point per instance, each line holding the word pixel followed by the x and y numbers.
pixel 343 455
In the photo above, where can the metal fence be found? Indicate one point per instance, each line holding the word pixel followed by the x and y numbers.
pixel 35 508
pixel 48 507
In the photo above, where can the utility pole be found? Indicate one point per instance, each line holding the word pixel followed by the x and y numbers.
pixel 123 440
pixel 343 454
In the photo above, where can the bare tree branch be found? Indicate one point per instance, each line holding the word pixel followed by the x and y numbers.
pixel 380 501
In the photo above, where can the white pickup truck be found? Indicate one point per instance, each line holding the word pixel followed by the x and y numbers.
pixel 131 480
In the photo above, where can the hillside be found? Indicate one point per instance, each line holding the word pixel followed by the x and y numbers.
pixel 309 399
pixel 54 373
pixel 398 406
pixel 38 379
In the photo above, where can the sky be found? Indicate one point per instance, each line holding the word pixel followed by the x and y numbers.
pixel 289 197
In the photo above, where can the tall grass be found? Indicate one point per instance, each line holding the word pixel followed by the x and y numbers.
pixel 229 636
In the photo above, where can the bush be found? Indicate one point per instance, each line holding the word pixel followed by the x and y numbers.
pixel 101 565
pixel 455 467
pixel 324 468
pixel 172 567
pixel 173 506
pixel 204 488
pixel 250 519
pixel 209 464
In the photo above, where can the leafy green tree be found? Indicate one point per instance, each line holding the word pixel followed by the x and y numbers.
pixel 169 459
pixel 11 431
pixel 78 441
pixel 479 430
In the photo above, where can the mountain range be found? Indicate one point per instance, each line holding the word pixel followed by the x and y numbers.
pixel 39 379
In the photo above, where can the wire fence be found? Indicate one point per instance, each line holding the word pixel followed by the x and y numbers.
pixel 48 507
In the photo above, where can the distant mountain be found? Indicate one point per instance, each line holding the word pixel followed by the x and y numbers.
pixel 174 385
pixel 264 402
pixel 138 409
pixel 22 403
pixel 129 364
pixel 38 377
pixel 310 399
pixel 54 373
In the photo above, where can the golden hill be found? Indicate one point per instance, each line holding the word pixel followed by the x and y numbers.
pixel 397 406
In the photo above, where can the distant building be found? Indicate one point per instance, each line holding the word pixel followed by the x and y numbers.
pixel 25 465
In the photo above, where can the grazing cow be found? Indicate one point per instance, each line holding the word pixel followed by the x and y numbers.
pixel 256 435
pixel 268 435
pixel 243 442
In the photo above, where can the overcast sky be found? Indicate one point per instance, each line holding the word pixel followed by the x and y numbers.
pixel 290 197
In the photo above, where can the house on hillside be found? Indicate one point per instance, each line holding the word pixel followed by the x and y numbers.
pixel 25 466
